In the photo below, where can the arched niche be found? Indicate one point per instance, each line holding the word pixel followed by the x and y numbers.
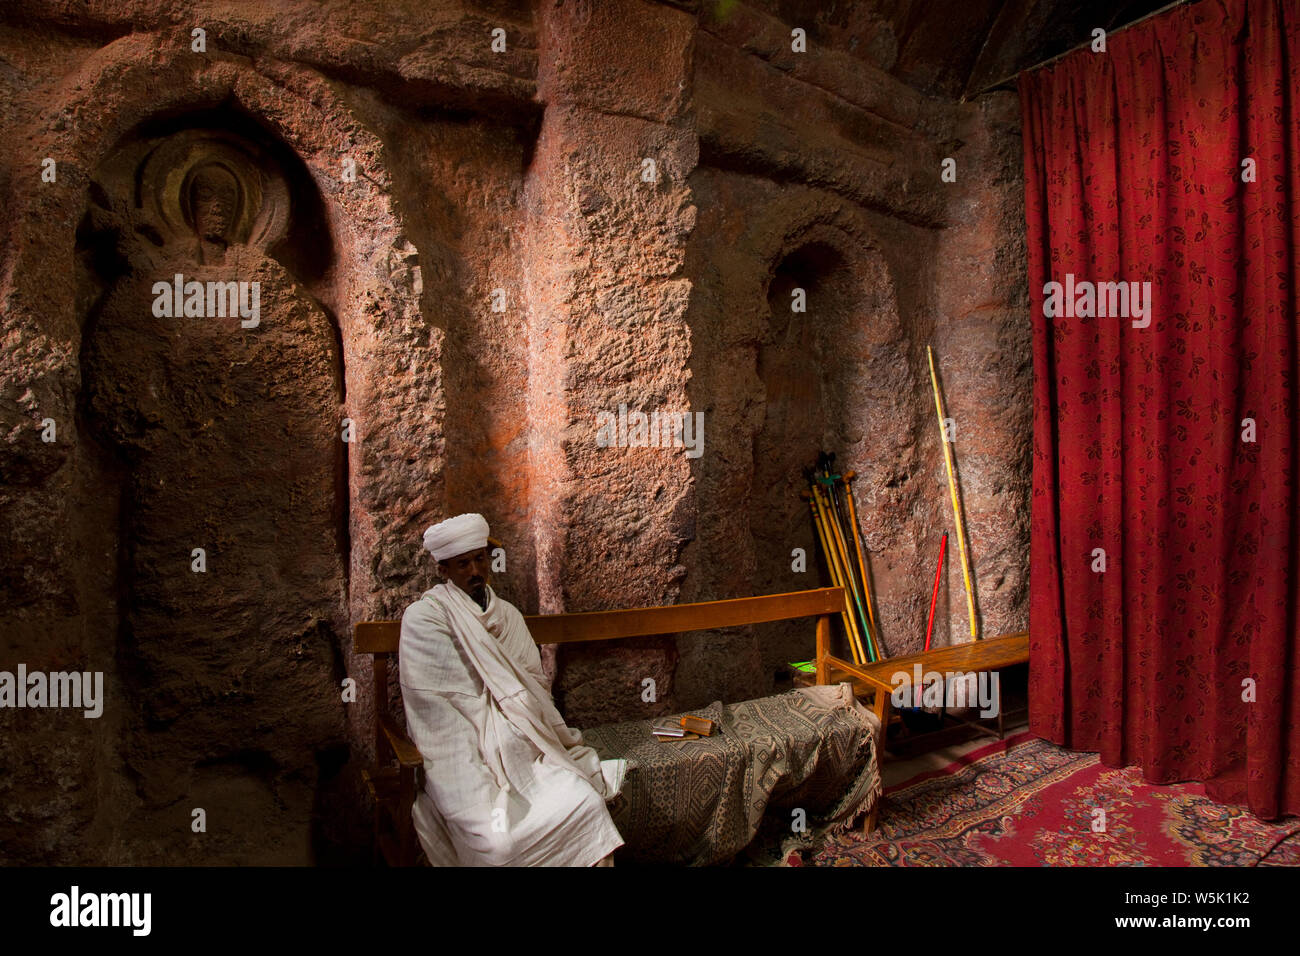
pixel 211 384
pixel 808 298
pixel 830 375
pixel 373 287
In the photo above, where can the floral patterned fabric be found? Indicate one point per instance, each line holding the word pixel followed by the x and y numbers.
pixel 1165 514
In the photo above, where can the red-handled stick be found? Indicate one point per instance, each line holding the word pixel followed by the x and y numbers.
pixel 929 628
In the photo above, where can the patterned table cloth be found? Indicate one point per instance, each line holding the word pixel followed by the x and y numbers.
pixel 701 801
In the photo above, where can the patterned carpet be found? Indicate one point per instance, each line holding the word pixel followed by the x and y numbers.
pixel 1026 802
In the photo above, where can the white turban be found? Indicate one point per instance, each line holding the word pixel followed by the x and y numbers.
pixel 456 536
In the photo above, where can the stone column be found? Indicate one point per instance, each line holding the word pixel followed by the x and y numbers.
pixel 607 213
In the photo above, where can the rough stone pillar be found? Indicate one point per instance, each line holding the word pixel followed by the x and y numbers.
pixel 607 213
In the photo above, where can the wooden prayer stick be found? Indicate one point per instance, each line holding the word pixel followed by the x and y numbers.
pixel 859 576
pixel 833 511
pixel 862 561
pixel 845 614
pixel 842 555
pixel 952 489
pixel 862 650
pixel 833 557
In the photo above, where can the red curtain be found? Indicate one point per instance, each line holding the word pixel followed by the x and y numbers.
pixel 1134 173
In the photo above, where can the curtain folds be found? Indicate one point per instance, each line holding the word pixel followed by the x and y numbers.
pixel 1166 487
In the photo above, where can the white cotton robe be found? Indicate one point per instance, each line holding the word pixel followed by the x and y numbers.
pixel 507 783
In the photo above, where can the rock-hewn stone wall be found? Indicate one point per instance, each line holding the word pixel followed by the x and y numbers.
pixel 465 257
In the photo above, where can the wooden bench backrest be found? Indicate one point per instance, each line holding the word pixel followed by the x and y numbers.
pixel 381 637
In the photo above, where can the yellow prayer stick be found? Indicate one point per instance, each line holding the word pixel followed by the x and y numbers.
pixel 859 617
pixel 842 552
pixel 952 489
pixel 840 556
pixel 859 653
pixel 821 537
pixel 862 561
pixel 850 622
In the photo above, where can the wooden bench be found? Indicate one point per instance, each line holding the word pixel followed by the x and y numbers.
pixel 392 781
pixel 990 654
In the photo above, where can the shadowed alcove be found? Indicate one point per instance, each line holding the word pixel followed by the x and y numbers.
pixel 212 380
pixel 810 313
pixel 833 375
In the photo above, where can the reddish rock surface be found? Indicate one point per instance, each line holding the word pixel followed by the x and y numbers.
pixel 611 212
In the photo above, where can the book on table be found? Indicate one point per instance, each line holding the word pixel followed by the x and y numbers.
pixel 686 727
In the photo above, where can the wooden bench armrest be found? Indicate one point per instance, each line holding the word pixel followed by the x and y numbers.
pixel 408 755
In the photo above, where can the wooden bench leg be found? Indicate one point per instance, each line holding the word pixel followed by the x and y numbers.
pixel 880 706
pixel 870 823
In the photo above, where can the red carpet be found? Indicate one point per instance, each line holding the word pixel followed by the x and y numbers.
pixel 1026 802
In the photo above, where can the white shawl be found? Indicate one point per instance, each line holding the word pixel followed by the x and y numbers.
pixel 552 791
pixel 523 701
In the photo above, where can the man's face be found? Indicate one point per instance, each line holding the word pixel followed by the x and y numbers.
pixel 471 572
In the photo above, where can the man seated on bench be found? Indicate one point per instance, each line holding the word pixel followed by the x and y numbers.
pixel 507 783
